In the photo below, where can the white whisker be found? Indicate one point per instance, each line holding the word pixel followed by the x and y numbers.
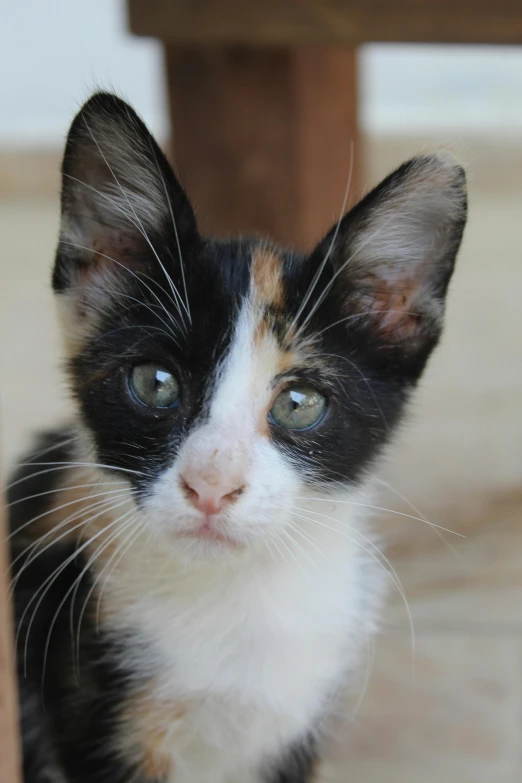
pixel 64 505
pixel 46 585
pixel 76 585
pixel 58 445
pixel 71 464
pixel 436 528
pixel 121 551
pixel 178 244
pixel 106 507
pixel 320 270
pixel 64 599
pixel 75 514
pixel 138 223
pixel 381 508
pixel 298 546
pixel 140 280
pixel 379 558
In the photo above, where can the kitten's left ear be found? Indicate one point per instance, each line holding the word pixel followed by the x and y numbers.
pixel 393 256
pixel 120 198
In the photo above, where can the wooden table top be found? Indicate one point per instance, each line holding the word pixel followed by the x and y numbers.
pixel 284 22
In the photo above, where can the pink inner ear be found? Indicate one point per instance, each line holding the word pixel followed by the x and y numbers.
pixel 113 252
pixel 391 308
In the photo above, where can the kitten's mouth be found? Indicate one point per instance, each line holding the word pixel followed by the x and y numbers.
pixel 208 532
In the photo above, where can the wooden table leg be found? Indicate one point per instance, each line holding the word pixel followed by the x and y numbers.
pixel 263 138
pixel 9 743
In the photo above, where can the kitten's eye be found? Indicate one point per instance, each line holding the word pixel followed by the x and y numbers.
pixel 154 386
pixel 298 408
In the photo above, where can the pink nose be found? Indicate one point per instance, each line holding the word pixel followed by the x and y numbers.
pixel 210 498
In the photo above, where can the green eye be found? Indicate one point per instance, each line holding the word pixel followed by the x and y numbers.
pixel 154 386
pixel 298 408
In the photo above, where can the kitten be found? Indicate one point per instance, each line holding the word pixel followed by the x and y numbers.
pixel 194 581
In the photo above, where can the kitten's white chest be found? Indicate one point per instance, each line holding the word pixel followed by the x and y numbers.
pixel 247 690
pixel 245 666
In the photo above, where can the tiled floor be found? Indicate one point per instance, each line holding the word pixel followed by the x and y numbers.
pixel 453 710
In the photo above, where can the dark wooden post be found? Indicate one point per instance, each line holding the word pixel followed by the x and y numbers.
pixel 264 139
pixel 263 96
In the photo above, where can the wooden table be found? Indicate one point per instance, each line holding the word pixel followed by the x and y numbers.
pixel 263 97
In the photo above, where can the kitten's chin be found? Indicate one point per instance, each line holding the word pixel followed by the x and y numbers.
pixel 208 535
pixel 194 549
pixel 207 542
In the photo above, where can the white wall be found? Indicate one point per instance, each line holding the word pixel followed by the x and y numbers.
pixel 54 52
pixel 421 88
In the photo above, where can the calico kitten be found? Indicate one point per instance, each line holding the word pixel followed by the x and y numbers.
pixel 194 580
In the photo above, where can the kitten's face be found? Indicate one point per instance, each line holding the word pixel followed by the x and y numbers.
pixel 227 380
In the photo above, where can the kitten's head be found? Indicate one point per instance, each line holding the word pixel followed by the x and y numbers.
pixel 228 379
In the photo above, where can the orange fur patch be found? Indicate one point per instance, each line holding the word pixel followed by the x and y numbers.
pixel 149 726
pixel 267 277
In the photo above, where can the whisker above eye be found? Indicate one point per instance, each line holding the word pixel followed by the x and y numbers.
pixel 350 259
pixel 362 314
pixel 151 308
pixel 139 278
pixel 138 224
pixel 176 234
pixel 367 382
pixel 322 266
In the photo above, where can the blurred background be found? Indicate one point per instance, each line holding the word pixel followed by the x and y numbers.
pixel 454 708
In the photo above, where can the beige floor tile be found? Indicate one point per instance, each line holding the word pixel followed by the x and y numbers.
pixel 452 712
pixel 475 584
pixel 31 392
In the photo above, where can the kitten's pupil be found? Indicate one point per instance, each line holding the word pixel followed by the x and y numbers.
pixel 154 386
pixel 297 398
pixel 161 377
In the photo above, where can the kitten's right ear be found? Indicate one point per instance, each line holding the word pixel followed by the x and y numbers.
pixel 391 259
pixel 122 206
